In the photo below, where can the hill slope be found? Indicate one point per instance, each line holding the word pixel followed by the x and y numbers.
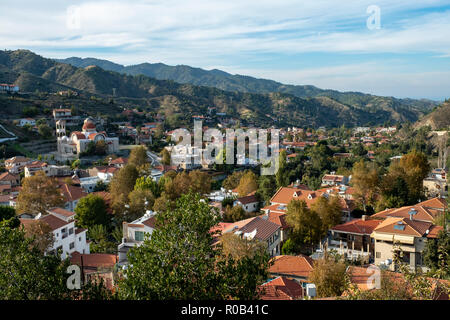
pixel 33 72
pixel 225 81
pixel 439 119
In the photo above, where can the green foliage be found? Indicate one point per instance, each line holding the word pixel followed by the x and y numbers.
pixel 182 239
pixel 90 211
pixel 9 214
pixel 307 228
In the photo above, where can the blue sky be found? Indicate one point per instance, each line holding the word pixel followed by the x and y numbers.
pixel 319 42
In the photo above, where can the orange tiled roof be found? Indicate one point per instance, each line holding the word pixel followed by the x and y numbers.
pixel 281 288
pixel 72 193
pixel 406 227
pixel 299 266
pixel 96 260
pixel 357 226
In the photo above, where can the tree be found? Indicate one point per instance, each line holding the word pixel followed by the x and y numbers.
pixel 329 210
pixel 247 184
pixel 239 247
pixel 200 182
pixel 266 188
pixel 416 167
pixel 39 193
pixel 436 254
pixel 232 181
pixel 138 157
pixel 365 181
pixel 139 202
pixel 100 186
pixel 179 252
pixel 165 155
pixel 9 213
pixel 330 277
pixel 100 243
pixel 288 248
pixel 45 131
pixel 306 225
pixel 41 234
pixel 233 214
pixel 147 183
pixel 90 211
pixel 123 182
pixel 282 175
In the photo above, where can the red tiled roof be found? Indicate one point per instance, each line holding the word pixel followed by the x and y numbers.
pixel 72 193
pixel 6 176
pixel 357 226
pixel 264 228
pixel 62 212
pixel 281 288
pixel 96 260
pixel 248 199
pixel 409 227
pixel 120 160
pixel 297 266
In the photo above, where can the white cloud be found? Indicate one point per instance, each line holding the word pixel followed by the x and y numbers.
pixel 218 32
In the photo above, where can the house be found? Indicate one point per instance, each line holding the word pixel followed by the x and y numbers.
pixel 8 200
pixel 96 265
pixel 63 214
pixel 281 288
pixel 353 238
pixel 284 195
pixel 408 234
pixel 16 164
pixel 436 183
pixel 277 214
pixel 8 88
pixel 26 121
pixel 334 180
pixel 31 168
pixel 72 194
pixel 134 234
pixel 119 162
pixel 66 236
pixel 296 268
pixel 426 211
pixel 89 183
pixel 261 229
pixel 364 278
pixel 104 173
pixel 248 203
pixel 9 179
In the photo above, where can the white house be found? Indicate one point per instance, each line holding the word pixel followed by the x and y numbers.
pixel 134 233
pixel 16 164
pixel 26 121
pixel 88 184
pixel 248 203
pixel 66 236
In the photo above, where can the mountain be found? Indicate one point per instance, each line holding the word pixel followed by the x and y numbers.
pixel 96 86
pixel 228 82
pixel 439 119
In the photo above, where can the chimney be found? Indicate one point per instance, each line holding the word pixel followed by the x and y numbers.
pixel 364 217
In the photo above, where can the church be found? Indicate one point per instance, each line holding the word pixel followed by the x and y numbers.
pixel 69 148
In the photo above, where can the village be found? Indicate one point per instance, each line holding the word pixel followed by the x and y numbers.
pixel 98 192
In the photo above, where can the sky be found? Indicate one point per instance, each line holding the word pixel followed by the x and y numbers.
pixel 393 48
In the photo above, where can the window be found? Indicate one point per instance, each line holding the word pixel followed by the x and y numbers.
pixel 71 231
pixel 139 235
pixel 79 239
pixel 378 255
pixel 72 245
